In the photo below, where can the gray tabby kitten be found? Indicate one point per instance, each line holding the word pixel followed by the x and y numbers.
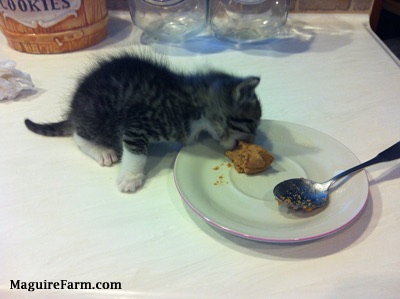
pixel 127 101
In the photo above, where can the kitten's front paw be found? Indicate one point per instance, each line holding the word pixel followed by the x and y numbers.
pixel 228 143
pixel 130 182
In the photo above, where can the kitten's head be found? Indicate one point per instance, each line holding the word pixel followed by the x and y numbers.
pixel 236 110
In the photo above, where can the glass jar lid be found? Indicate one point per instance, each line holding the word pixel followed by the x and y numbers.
pixel 163 2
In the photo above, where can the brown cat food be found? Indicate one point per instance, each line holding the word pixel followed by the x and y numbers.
pixel 250 158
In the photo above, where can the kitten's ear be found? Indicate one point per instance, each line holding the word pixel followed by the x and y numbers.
pixel 246 86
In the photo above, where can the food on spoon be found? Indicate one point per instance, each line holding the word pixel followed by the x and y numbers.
pixel 297 203
pixel 250 158
pixel 294 195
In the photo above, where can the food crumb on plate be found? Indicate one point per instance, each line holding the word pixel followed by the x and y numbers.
pixel 221 179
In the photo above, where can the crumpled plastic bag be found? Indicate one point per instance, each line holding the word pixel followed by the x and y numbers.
pixel 12 80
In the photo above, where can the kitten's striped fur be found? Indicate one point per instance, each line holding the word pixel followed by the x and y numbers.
pixel 127 101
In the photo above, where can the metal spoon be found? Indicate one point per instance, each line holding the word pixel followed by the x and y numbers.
pixel 307 195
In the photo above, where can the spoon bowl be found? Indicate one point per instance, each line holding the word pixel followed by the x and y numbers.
pixel 302 194
pixel 307 195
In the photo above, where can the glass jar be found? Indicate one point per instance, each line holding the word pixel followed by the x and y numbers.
pixel 248 20
pixel 169 20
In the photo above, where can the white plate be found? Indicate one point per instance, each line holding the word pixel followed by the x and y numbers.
pixel 244 205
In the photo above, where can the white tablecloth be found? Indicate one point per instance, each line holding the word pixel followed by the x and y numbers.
pixel 62 217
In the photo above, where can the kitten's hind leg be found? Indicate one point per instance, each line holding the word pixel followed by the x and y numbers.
pixel 104 156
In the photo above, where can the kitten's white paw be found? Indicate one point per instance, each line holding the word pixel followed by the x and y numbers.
pixel 106 157
pixel 130 182
pixel 228 144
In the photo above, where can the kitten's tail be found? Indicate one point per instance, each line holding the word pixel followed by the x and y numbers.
pixel 62 128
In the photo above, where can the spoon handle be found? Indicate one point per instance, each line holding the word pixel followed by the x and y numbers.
pixel 387 155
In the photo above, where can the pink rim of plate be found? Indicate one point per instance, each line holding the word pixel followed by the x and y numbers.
pixel 269 240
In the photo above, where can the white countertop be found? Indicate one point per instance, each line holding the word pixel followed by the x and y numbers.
pixel 62 217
